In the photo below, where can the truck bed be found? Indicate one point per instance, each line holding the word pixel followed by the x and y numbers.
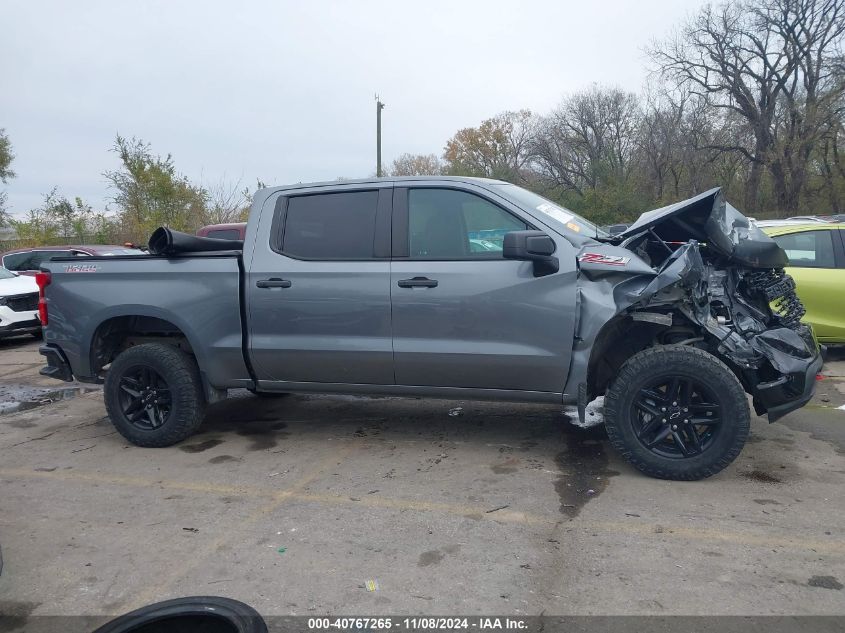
pixel 200 294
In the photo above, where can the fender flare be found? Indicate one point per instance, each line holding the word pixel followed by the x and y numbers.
pixel 140 310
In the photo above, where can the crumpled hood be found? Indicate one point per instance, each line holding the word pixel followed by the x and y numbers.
pixel 708 218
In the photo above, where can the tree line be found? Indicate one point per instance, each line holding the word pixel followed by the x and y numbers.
pixel 745 95
pixel 748 95
pixel 147 192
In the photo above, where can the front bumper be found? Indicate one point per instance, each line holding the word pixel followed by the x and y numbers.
pixel 790 392
pixel 13 328
pixel 57 365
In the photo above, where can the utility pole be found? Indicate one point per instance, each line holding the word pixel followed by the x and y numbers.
pixel 379 108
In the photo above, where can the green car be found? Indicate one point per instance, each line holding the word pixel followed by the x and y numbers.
pixel 816 255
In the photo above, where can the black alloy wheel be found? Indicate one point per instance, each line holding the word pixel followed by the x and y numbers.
pixel 154 394
pixel 677 412
pixel 145 397
pixel 676 417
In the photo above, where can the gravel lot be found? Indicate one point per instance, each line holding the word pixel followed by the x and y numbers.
pixel 295 504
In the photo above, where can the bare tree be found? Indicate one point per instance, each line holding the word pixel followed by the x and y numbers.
pixel 498 148
pixel 416 165
pixel 6 158
pixel 813 101
pixel 661 144
pixel 226 202
pixel 831 166
pixel 589 139
pixel 5 216
pixel 774 64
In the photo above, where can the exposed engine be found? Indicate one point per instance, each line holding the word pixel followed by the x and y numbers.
pixel 777 289
pixel 700 273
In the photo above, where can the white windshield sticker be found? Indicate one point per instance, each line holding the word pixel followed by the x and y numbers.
pixel 556 212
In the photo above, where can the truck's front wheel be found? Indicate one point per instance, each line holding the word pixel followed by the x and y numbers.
pixel 677 412
pixel 153 395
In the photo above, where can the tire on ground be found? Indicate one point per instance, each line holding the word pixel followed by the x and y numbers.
pixel 179 370
pixel 686 362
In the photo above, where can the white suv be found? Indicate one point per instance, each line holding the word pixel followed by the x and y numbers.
pixel 18 305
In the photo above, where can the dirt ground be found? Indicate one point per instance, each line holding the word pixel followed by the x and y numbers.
pixel 339 505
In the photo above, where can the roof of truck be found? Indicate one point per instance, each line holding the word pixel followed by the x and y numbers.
pixel 362 181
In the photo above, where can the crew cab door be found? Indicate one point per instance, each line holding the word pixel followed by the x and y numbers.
pixel 463 316
pixel 318 287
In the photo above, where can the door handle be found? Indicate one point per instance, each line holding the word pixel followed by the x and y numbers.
pixel 418 282
pixel 273 282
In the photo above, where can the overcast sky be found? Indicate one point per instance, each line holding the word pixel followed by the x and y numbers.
pixel 284 91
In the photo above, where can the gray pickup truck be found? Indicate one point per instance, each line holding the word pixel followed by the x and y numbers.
pixel 457 288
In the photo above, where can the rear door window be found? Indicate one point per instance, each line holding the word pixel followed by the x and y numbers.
pixel 331 226
pixel 808 249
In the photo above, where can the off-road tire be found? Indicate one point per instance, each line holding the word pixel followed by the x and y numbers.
pixel 181 374
pixel 691 363
pixel 196 613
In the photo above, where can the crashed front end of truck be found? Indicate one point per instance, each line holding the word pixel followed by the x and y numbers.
pixel 698 273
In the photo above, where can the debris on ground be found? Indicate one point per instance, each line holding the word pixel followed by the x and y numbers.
pixel 15 398
pixel 191 529
pixel 372 585
pixel 497 509
pixel 282 550
pixel 456 411
pixel 825 582
pixel 593 413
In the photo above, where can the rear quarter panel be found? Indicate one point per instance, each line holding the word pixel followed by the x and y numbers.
pixel 199 295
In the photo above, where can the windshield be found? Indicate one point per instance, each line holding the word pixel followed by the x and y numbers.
pixel 5 274
pixel 560 215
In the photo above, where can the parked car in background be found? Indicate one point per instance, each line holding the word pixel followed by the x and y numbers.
pixel 614 229
pixel 18 305
pixel 764 224
pixel 808 218
pixel 27 261
pixel 233 231
pixel 836 217
pixel 816 255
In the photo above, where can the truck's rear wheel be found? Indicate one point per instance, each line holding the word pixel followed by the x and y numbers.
pixel 153 395
pixel 677 412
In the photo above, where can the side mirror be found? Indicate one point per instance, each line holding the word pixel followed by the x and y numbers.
pixel 532 246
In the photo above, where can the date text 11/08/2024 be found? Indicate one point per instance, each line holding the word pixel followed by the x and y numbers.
pixel 417 623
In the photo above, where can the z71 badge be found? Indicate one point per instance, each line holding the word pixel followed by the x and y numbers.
pixel 81 268
pixel 598 258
